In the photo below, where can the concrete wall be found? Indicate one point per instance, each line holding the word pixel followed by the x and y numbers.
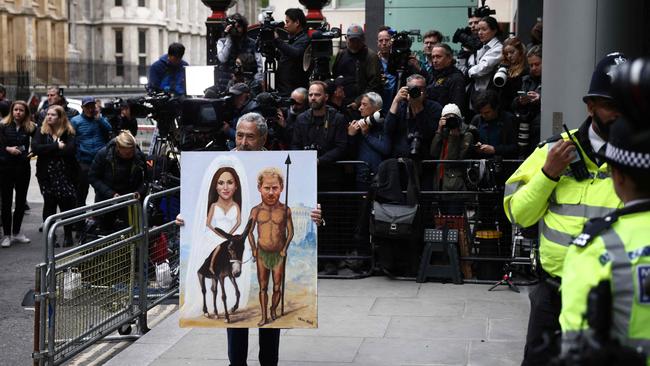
pixel 577 34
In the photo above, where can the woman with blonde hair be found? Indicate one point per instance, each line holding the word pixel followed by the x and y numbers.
pixel 514 57
pixel 16 130
pixel 56 167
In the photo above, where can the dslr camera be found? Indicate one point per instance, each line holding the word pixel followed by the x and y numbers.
pixel 501 76
pixel 414 92
pixel 267 35
pixel 452 123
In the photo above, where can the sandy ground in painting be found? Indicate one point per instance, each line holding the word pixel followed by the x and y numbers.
pixel 300 311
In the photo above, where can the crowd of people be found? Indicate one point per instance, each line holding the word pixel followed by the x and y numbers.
pixel 73 152
pixel 374 108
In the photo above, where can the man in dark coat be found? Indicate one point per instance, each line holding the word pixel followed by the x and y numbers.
pixel 290 73
pixel 447 84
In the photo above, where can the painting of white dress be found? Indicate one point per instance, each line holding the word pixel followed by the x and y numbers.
pixel 248 245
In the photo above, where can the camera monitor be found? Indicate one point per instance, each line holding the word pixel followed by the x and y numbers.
pixel 198 78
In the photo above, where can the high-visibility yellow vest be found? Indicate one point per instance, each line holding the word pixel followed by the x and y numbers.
pixel 561 207
pixel 621 254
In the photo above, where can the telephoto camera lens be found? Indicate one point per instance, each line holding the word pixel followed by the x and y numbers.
pixel 500 77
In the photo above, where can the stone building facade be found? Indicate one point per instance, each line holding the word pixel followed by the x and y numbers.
pixel 33 29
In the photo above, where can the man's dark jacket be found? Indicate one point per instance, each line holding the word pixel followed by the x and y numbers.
pixel 504 127
pixel 398 126
pixel 110 174
pixel 290 73
pixel 361 72
pixel 329 134
pixel 447 86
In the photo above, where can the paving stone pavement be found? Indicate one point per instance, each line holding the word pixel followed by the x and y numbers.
pixel 373 321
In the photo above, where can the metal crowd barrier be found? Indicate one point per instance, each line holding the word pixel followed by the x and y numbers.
pixel 107 283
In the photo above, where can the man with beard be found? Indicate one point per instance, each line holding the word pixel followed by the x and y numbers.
pixel 358 65
pixel 321 127
pixel 234 43
pixel 562 191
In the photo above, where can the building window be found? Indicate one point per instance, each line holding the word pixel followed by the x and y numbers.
pixel 142 52
pixel 118 2
pixel 119 41
pixel 142 41
pixel 141 3
pixel 119 66
pixel 119 53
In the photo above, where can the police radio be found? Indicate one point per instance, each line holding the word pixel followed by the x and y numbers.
pixel 577 166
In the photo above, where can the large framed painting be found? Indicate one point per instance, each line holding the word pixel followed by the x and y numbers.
pixel 248 245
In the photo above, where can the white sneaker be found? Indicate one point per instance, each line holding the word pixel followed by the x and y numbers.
pixel 6 242
pixel 21 238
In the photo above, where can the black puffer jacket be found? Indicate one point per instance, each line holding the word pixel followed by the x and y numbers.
pixel 47 150
pixel 10 136
pixel 110 174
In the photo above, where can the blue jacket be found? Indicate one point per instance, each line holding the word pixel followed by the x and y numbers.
pixel 167 77
pixel 91 135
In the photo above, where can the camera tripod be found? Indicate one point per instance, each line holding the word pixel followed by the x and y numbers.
pixel 507 268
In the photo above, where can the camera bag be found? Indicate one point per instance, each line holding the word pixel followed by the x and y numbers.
pixel 393 216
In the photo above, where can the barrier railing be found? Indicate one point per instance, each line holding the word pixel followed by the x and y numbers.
pixel 101 285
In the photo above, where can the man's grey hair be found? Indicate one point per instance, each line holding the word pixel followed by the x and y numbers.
pixel 257 118
pixel 415 77
pixel 374 99
pixel 302 91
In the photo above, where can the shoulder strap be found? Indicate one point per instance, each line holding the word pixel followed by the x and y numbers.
pixel 413 187
pixel 596 226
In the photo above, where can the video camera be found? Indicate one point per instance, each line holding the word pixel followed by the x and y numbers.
pixel 401 50
pixel 266 35
pixel 321 51
pixel 111 110
pixel 467 40
pixel 267 106
pixel 481 11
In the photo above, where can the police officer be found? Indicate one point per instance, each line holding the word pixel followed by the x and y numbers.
pixel 561 185
pixel 615 248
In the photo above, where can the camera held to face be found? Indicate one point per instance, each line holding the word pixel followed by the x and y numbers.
pixel 452 123
pixel 414 92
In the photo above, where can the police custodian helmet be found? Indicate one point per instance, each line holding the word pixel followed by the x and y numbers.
pixel 601 78
pixel 629 140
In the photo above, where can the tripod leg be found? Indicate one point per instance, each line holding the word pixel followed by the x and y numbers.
pixel 502 282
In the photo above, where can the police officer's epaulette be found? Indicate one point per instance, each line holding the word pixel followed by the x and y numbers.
pixel 593 228
pixel 550 139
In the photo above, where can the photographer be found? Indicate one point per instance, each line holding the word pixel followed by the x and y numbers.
pixel 245 71
pixel 358 65
pixel 496 129
pixel 118 168
pixel 320 128
pixel 300 104
pixel 290 73
pixel 168 73
pixel 412 120
pixel 337 99
pixel 447 82
pixel 483 64
pixel 527 105
pixel 124 121
pixel 453 141
pixel 234 43
pixel 510 73
pixel 367 140
pixel 397 61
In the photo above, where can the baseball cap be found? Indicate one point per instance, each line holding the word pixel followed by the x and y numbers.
pixel 239 89
pixel 355 31
pixel 87 100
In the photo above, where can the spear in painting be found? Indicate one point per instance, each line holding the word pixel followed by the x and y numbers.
pixel 286 225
